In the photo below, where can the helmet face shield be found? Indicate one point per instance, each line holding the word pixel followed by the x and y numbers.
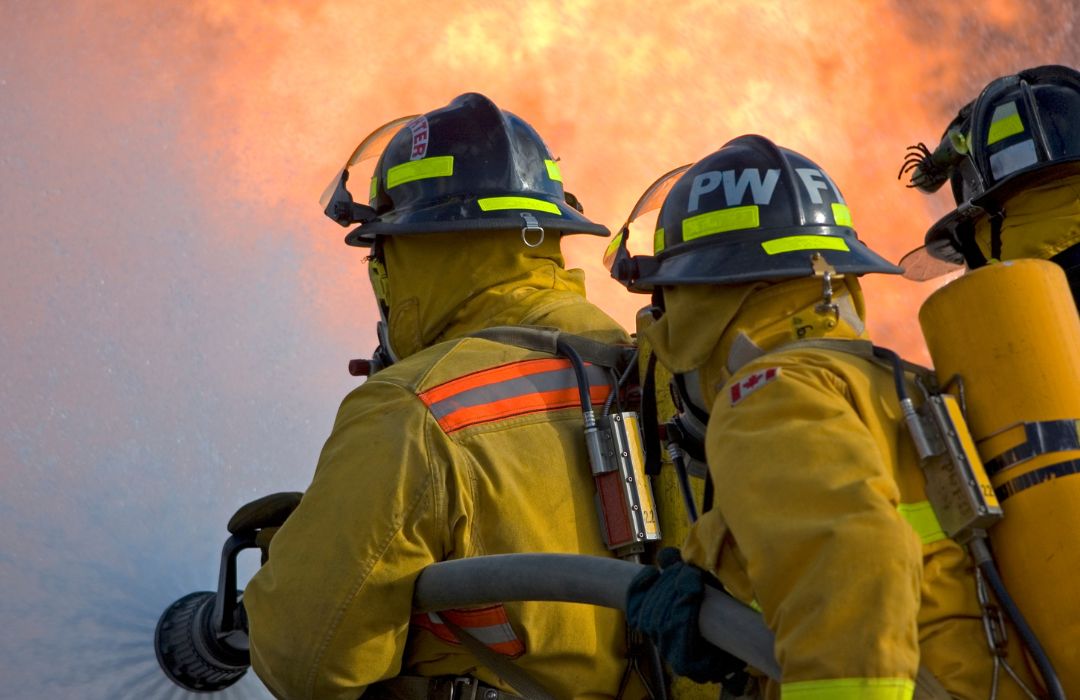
pixel 751 211
pixel 466 166
pixel 371 147
pixel 919 265
pixel 623 266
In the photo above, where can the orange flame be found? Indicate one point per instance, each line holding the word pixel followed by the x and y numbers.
pixel 621 93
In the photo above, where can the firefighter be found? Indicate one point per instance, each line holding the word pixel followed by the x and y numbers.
pixel 463 446
pixel 819 516
pixel 1012 156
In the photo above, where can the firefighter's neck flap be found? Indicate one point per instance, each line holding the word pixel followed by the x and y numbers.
pixel 746 321
pixel 1038 223
pixel 444 286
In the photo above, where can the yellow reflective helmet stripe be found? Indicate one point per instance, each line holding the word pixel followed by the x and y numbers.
pixel 499 203
pixel 436 166
pixel 849 689
pixel 1006 122
pixel 612 249
pixel 658 241
pixel 720 221
pixel 841 214
pixel 553 170
pixel 923 521
pixel 788 244
pixel 374 190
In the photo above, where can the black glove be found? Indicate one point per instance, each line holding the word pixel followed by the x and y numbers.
pixel 664 604
pixel 263 517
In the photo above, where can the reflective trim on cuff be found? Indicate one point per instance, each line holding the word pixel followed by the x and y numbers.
pixel 849 689
pixel 923 521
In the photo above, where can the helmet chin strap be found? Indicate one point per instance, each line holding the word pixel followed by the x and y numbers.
pixel 384 354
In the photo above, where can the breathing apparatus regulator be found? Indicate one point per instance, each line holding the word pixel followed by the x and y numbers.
pixel 1022 132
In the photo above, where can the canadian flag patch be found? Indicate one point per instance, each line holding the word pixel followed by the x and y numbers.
pixel 752 383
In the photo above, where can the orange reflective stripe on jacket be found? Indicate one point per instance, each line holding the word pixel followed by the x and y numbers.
pixel 490 625
pixel 510 390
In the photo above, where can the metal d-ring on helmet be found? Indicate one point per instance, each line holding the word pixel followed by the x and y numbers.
pixel 1022 131
pixel 750 211
pixel 467 166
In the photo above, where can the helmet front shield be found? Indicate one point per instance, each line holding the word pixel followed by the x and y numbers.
pixel 617 259
pixel 336 199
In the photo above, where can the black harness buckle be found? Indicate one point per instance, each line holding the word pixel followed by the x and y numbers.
pixel 464 688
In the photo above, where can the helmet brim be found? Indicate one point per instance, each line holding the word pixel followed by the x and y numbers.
pixel 942 240
pixel 465 214
pixel 742 256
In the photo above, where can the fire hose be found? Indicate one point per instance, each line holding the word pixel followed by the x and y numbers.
pixel 201 639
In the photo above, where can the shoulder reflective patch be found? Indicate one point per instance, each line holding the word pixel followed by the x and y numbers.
pixel 510 390
pixel 436 166
pixel 500 203
pixel 750 384
pixel 553 170
pixel 490 625
pixel 788 244
pixel 720 221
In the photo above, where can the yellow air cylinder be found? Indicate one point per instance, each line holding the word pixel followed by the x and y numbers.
pixel 1012 333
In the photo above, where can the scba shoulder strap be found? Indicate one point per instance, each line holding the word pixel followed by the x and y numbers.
pixel 863 349
pixel 622 509
pixel 546 339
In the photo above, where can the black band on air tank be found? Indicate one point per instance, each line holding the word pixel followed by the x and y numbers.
pixel 1036 477
pixel 1041 437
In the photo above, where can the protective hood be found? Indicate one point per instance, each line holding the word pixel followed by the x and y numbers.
pixel 1039 222
pixel 444 286
pixel 717 329
pixel 695 317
